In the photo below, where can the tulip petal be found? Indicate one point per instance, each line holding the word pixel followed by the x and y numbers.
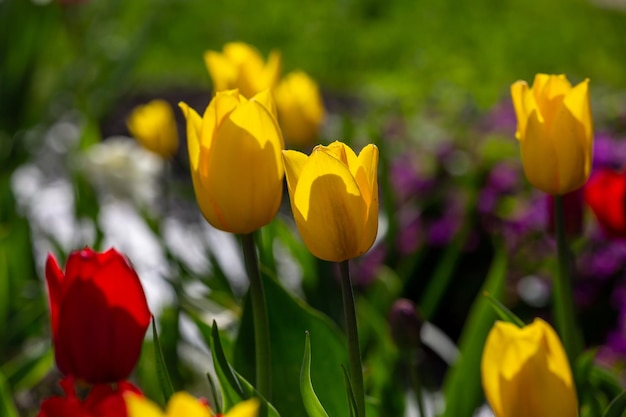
pixel 367 178
pixel 577 102
pixel 519 91
pixel 266 100
pixel 249 408
pixel 194 128
pixel 536 149
pixel 138 406
pixel 573 150
pixel 294 163
pixel 245 167
pixel 222 71
pixel 328 208
pixel 183 404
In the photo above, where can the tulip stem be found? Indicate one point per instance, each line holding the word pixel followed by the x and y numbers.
pixel 260 317
pixel 563 306
pixel 354 353
pixel 415 381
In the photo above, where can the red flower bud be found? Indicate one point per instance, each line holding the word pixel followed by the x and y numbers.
pixel 99 315
pixel 605 193
pixel 103 401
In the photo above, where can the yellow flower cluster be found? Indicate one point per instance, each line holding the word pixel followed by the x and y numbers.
pixel 300 108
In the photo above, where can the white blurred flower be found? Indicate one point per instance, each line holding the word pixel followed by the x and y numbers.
pixel 121 169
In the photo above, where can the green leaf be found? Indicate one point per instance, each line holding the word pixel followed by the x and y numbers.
pixel 232 393
pixel 311 403
pixel 164 379
pixel 617 408
pixel 462 385
pixel 235 388
pixel 7 407
pixel 289 318
pixel 503 312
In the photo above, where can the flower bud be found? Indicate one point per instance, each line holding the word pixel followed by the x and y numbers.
pixel 99 315
pixel 334 199
pixel 525 372
pixel 182 404
pixel 154 127
pixel 405 323
pixel 555 131
pixel 605 193
pixel 300 109
pixel 235 159
pixel 240 66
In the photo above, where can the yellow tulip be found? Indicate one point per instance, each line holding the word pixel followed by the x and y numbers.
pixel 181 404
pixel 300 108
pixel 235 158
pixel 154 127
pixel 334 199
pixel 525 372
pixel 241 66
pixel 555 131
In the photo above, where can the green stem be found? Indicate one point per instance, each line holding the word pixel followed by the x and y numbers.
pixel 354 353
pixel 415 382
pixel 563 306
pixel 261 321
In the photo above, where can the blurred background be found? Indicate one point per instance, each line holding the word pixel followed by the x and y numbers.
pixel 428 82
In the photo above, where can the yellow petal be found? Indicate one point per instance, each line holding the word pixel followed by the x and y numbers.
pixel 182 404
pixel 194 128
pixel 551 96
pixel 273 68
pixel 328 208
pixel 294 162
pixel 265 98
pixel 223 72
pixel 249 408
pixel 140 406
pixel 539 157
pixel 244 168
pixel 367 177
pixel 519 90
pixel 577 102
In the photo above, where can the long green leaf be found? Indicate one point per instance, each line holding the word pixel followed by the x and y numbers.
pixel 7 408
pixel 232 392
pixel 164 378
pixel 617 408
pixel 462 384
pixel 312 404
pixel 503 312
pixel 349 392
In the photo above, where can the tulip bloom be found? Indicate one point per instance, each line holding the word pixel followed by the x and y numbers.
pixel 605 193
pixel 555 132
pixel 300 108
pixel 234 153
pixel 99 315
pixel 184 405
pixel 102 401
pixel 154 127
pixel 525 372
pixel 241 66
pixel 334 199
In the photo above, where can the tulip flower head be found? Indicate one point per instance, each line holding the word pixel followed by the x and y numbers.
pixel 240 66
pixel 235 157
pixel 103 401
pixel 334 199
pixel 605 193
pixel 525 372
pixel 154 127
pixel 99 315
pixel 181 404
pixel 300 108
pixel 555 131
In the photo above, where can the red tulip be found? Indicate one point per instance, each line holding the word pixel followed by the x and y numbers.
pixel 102 401
pixel 99 315
pixel 605 193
